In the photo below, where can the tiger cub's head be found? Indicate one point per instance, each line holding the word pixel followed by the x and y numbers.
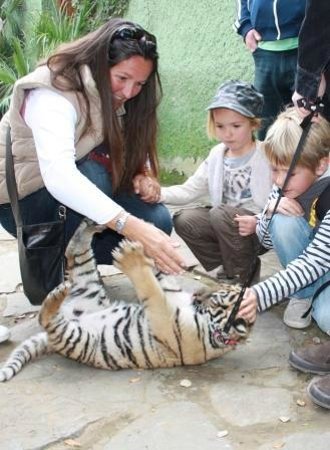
pixel 217 305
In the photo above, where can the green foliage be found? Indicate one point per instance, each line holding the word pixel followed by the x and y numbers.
pixel 12 14
pixel 22 47
pixel 102 10
pixel 169 178
pixel 198 50
pixel 53 26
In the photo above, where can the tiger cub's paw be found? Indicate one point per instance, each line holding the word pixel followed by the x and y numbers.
pixel 130 256
pixel 59 293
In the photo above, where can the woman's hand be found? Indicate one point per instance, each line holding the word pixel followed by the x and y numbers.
pixel 248 308
pixel 157 244
pixel 147 187
pixel 286 206
pixel 246 224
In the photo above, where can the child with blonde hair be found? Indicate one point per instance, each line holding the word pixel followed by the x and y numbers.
pixel 300 229
pixel 300 234
pixel 236 178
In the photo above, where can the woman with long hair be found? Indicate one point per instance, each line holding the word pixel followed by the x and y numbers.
pixel 83 129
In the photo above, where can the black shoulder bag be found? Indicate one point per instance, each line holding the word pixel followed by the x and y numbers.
pixel 40 246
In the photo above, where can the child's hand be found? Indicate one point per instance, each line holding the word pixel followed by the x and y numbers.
pixel 246 224
pixel 286 206
pixel 248 308
pixel 147 187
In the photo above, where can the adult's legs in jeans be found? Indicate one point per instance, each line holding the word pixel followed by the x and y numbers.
pixel 105 242
pixel 238 252
pixel 38 207
pixel 194 227
pixel 42 207
pixel 274 78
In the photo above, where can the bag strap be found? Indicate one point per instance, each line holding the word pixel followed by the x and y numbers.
pixel 11 181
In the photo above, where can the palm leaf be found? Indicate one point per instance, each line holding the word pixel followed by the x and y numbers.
pixel 20 60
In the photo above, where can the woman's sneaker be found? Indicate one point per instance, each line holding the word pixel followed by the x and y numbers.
pixel 294 314
pixel 4 333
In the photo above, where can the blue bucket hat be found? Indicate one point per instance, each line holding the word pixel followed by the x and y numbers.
pixel 239 96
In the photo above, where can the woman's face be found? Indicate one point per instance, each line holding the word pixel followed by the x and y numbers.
pixel 128 77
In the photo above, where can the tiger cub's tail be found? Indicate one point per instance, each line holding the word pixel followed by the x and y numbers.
pixel 28 350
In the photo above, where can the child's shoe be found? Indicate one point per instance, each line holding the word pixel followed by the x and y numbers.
pixel 4 333
pixel 294 311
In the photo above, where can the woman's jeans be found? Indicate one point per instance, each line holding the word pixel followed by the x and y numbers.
pixel 42 207
pixel 290 236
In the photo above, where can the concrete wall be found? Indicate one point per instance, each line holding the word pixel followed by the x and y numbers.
pixel 198 50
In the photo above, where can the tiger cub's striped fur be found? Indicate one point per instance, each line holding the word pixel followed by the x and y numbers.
pixel 168 327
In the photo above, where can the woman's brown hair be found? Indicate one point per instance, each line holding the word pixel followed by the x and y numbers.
pixel 133 144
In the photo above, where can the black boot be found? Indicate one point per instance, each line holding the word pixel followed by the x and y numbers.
pixel 312 359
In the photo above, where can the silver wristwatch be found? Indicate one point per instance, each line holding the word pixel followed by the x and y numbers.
pixel 121 221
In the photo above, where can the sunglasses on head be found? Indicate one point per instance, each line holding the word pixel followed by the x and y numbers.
pixel 135 33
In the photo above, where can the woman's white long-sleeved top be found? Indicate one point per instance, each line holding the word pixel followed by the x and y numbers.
pixel 52 119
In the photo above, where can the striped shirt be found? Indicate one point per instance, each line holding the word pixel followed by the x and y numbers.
pixel 312 264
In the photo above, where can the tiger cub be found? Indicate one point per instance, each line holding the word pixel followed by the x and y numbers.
pixel 168 327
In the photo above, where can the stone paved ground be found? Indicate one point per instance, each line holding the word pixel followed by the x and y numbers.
pixel 248 400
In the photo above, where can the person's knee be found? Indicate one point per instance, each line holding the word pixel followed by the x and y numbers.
pixel 162 219
pixel 288 227
pixel 323 322
pixel 157 214
pixel 222 217
pixel 181 224
pixel 186 224
pixel 321 311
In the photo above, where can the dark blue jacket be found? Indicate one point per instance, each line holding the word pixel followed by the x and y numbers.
pixel 273 19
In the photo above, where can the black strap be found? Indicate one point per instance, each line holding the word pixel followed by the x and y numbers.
pixel 11 181
pixel 323 203
pixel 305 125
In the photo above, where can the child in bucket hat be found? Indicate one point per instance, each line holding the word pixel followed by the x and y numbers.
pixel 236 178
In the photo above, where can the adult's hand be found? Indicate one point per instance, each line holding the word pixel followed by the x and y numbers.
pixel 303 112
pixel 157 244
pixel 252 39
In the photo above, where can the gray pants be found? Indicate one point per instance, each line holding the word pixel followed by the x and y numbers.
pixel 212 236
